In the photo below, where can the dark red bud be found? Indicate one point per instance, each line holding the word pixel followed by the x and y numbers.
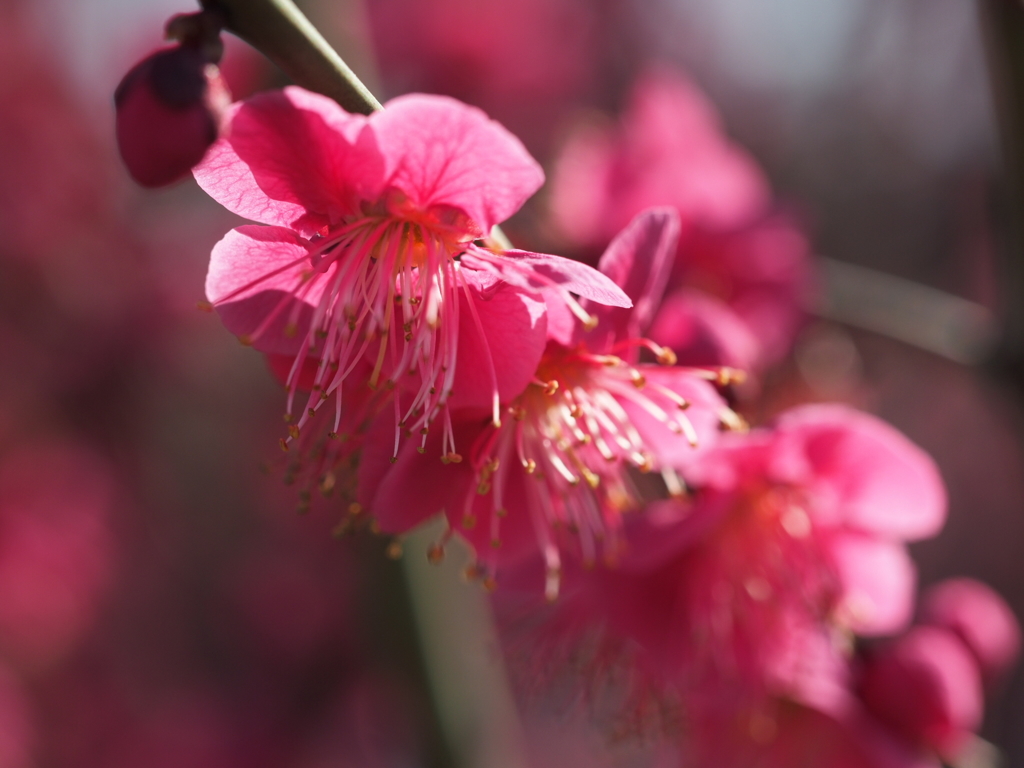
pixel 170 109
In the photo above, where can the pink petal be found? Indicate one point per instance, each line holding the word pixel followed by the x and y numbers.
pixel 703 330
pixel 403 494
pixel 539 271
pixel 877 479
pixel 639 261
pixel 514 330
pixel 562 323
pixel 878 580
pixel 291 159
pixel 673 128
pixel 439 151
pixel 253 270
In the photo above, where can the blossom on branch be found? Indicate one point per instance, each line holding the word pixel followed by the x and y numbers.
pixel 376 246
pixel 555 473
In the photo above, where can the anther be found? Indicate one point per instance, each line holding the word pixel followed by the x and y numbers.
pixel 293 431
pixel 469 522
pixel 435 554
pixel 394 550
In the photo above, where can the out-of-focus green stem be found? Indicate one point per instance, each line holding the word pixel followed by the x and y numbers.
pixel 285 36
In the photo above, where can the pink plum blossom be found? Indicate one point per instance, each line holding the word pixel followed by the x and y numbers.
pixel 669 148
pixel 558 463
pixel 742 273
pixel 748 590
pixel 369 251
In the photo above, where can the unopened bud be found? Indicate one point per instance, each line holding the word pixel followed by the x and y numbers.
pixel 170 109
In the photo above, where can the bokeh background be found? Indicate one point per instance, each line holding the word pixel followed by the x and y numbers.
pixel 163 602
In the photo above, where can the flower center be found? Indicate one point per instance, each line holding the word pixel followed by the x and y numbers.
pixel 384 298
pixel 573 437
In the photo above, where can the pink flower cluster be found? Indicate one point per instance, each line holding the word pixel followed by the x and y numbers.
pixel 573 423
pixel 498 383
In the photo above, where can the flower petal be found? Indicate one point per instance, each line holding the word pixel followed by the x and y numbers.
pixel 878 579
pixel 639 261
pixel 704 330
pixel 440 152
pixel 876 478
pixel 514 328
pixel 402 494
pixel 291 158
pixel 254 274
pixel 540 271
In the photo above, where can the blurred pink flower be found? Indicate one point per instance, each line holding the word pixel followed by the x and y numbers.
pixel 783 734
pixel 55 548
pixel 748 590
pixel 742 275
pixel 667 149
pixel 369 253
pixel 738 297
pixel 589 411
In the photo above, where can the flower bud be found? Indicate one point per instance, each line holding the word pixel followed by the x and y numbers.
pixel 926 686
pixel 980 618
pixel 170 109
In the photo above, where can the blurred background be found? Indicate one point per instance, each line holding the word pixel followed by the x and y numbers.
pixel 163 602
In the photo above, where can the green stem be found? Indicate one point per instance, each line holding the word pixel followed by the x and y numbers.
pixel 285 36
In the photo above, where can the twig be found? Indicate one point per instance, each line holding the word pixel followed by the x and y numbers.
pixel 286 37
